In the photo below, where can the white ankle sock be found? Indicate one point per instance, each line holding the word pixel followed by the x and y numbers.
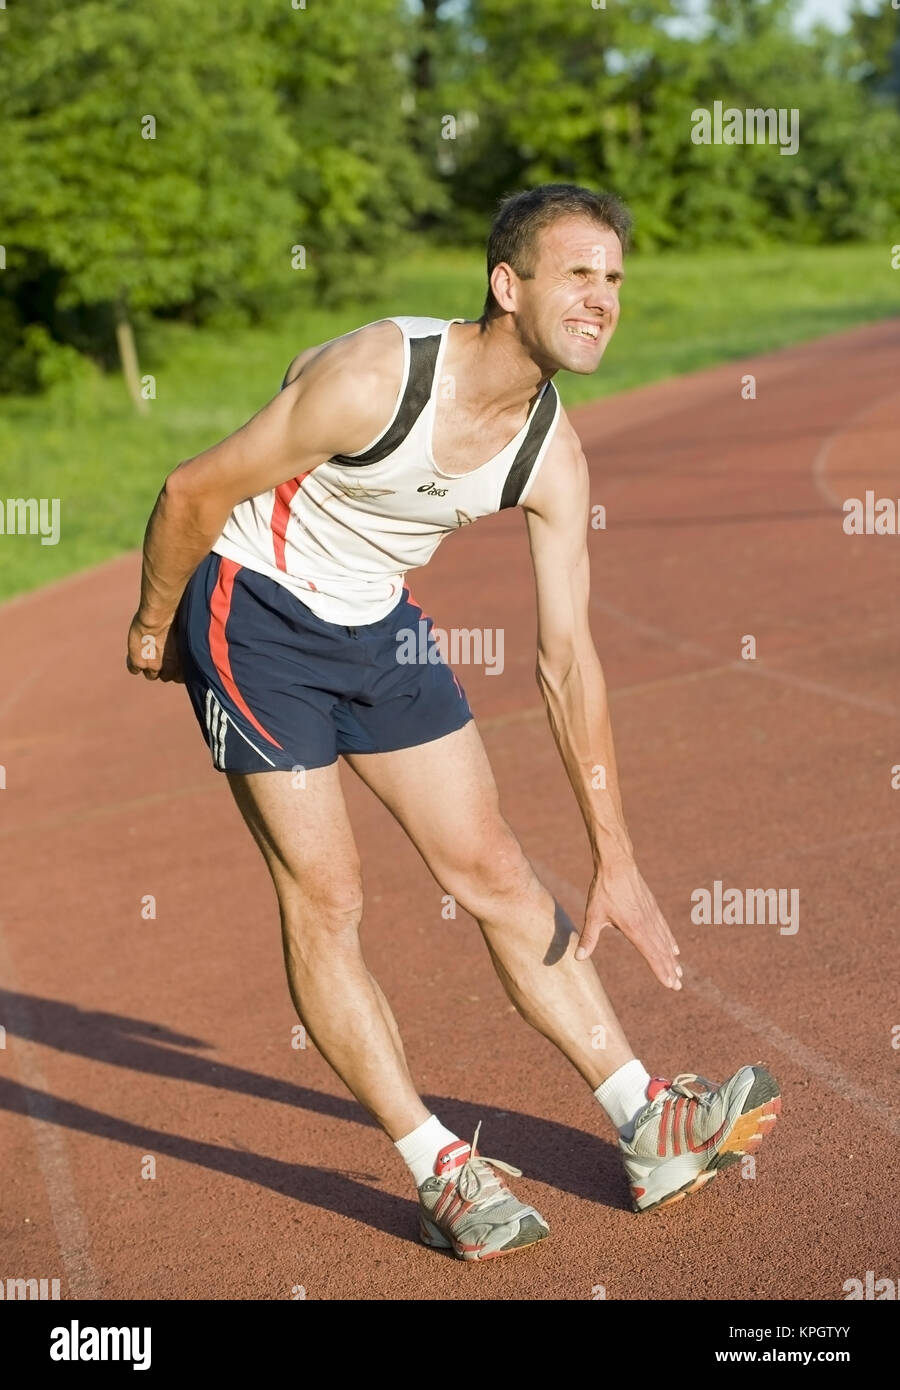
pixel 623 1094
pixel 420 1149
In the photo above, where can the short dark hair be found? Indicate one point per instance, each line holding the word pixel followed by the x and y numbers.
pixel 523 216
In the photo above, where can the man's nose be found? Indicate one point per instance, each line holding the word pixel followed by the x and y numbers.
pixel 601 298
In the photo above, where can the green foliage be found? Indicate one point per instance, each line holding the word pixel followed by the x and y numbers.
pixel 344 80
pixel 344 127
pixel 874 49
pixel 148 221
pixel 168 157
pixel 605 97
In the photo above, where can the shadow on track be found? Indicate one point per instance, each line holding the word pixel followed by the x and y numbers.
pixel 547 1151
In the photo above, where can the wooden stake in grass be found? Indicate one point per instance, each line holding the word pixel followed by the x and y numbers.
pixel 128 355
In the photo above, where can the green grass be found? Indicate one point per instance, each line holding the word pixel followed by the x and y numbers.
pixel 106 464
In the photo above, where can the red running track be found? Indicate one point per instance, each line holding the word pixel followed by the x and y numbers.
pixel 170 1039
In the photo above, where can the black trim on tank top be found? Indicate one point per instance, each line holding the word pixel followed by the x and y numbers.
pixel 423 353
pixel 523 463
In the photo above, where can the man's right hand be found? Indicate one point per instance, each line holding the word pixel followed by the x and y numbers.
pixel 153 651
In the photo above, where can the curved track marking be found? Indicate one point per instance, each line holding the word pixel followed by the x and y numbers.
pixel 757 668
pixel 820 462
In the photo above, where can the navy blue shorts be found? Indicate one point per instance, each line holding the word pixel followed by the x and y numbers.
pixel 276 688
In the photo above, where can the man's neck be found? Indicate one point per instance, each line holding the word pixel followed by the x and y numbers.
pixel 494 371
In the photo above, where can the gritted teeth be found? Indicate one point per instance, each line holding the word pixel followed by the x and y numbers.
pixel 583 330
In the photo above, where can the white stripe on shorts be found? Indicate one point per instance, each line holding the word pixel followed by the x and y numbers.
pixel 217 723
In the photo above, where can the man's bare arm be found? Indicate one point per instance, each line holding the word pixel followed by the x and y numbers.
pixel 304 358
pixel 336 403
pixel 573 687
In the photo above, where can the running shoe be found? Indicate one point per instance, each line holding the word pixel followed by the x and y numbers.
pixel 467 1207
pixel 692 1128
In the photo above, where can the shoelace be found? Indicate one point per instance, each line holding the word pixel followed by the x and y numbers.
pixel 475 1177
pixel 681 1087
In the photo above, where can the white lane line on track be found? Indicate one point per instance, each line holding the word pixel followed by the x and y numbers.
pixel 499 721
pixel 101 810
pixel 659 634
pixel 820 462
pixel 757 668
pixel 846 697
pixel 13 696
pixel 49 1139
pixel 877 1108
pixel 874 1106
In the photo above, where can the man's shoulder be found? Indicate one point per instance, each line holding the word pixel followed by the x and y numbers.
pixel 564 451
pixel 566 434
pixel 347 389
pixel 564 471
pixel 375 347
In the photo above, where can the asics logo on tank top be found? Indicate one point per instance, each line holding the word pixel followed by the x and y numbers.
pixel 343 536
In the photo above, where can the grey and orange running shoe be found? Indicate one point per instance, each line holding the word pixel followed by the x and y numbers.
pixel 467 1207
pixel 692 1128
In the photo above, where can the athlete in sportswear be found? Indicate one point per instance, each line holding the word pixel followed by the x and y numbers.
pixel 273 586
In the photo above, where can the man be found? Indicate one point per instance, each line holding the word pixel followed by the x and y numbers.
pixel 283 552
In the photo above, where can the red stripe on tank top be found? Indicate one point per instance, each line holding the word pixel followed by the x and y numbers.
pixel 281 515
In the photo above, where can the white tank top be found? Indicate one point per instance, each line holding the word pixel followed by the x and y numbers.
pixel 342 536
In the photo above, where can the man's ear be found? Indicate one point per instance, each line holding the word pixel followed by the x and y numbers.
pixel 504 284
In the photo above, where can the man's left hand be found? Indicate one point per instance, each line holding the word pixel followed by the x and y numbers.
pixel 620 898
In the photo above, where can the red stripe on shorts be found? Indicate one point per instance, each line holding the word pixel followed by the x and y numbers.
pixel 219 609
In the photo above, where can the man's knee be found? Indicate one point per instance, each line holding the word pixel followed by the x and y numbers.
pixel 324 905
pixel 493 872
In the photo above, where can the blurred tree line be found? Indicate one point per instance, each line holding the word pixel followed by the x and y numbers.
pixel 184 158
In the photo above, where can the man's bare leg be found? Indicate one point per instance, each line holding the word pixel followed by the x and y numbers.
pixel 444 795
pixel 305 837
pixel 306 840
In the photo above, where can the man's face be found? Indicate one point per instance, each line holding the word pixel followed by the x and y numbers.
pixel 567 313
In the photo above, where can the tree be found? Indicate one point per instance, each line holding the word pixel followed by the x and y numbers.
pixel 146 159
pixel 876 34
pixel 345 78
pixel 605 97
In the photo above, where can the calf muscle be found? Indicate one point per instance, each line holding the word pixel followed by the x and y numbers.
pixel 306 841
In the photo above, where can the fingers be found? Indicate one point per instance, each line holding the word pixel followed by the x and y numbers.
pixel 660 957
pixel 146 671
pixel 663 952
pixel 153 653
pixel 649 932
pixel 160 673
pixel 136 670
pixel 625 902
pixel 668 971
pixel 589 938
pixel 164 673
pixel 166 669
pixel 664 961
